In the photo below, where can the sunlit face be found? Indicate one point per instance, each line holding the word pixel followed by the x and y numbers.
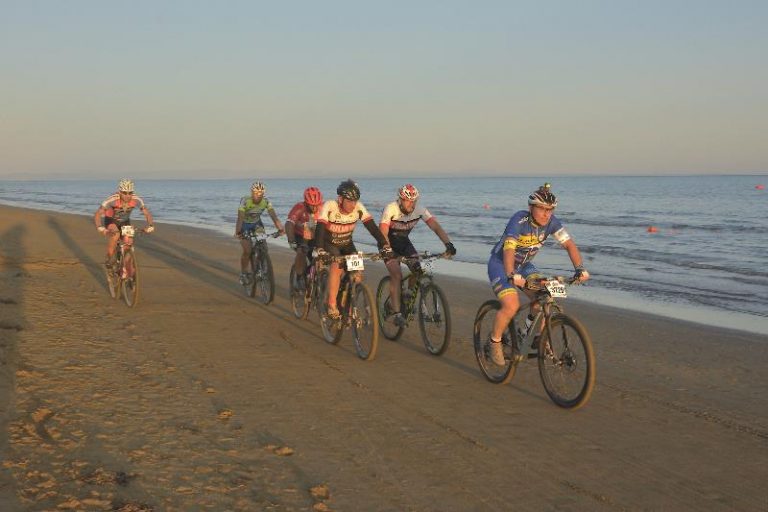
pixel 313 208
pixel 407 205
pixel 541 214
pixel 126 195
pixel 346 205
pixel 257 195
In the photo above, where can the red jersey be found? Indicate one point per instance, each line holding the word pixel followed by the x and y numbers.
pixel 304 221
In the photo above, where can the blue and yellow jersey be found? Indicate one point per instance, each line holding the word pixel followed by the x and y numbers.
pixel 252 211
pixel 525 237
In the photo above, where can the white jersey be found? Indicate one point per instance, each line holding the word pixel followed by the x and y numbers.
pixel 340 225
pixel 401 224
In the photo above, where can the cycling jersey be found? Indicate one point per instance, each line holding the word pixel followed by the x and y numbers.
pixel 119 211
pixel 401 224
pixel 252 211
pixel 304 221
pixel 340 225
pixel 526 238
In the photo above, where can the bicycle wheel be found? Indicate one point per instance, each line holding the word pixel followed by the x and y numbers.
pixel 498 374
pixel 299 302
pixel 332 329
pixel 567 362
pixel 130 281
pixel 264 280
pixel 434 319
pixel 365 322
pixel 389 329
pixel 319 292
pixel 113 278
pixel 250 286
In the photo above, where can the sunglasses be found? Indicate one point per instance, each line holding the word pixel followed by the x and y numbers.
pixel 127 193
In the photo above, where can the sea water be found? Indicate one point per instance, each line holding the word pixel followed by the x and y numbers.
pixel 690 247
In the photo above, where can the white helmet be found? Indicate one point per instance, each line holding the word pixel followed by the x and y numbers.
pixel 125 185
pixel 258 187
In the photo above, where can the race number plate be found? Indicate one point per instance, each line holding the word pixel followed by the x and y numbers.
pixel 426 267
pixel 354 262
pixel 556 288
pixel 127 231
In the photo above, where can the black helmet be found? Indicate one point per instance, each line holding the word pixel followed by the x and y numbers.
pixel 348 190
pixel 543 197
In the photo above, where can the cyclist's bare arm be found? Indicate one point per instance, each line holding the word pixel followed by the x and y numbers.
pixel 384 228
pixel 575 255
pixel 239 223
pixel 278 224
pixel 438 229
pixel 98 216
pixel 147 216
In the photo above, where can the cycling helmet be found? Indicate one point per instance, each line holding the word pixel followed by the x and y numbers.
pixel 348 190
pixel 409 192
pixel 313 196
pixel 125 185
pixel 258 187
pixel 543 197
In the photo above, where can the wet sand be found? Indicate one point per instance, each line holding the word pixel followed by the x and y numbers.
pixel 201 399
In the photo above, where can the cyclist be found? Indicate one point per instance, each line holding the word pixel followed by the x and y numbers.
pixel 397 221
pixel 334 234
pixel 511 259
pixel 116 213
pixel 300 229
pixel 249 220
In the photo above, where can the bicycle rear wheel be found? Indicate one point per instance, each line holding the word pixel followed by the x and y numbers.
pixel 434 319
pixel 365 322
pixel 567 362
pixel 498 374
pixel 299 302
pixel 130 281
pixel 389 329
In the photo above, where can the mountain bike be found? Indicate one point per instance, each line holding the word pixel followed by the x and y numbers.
pixel 559 342
pixel 123 272
pixel 260 283
pixel 356 305
pixel 433 313
pixel 302 300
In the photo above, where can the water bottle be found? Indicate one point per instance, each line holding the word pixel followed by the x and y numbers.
pixel 522 332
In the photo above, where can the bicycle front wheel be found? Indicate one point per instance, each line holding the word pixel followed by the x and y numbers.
pixel 498 374
pixel 389 329
pixel 130 279
pixel 332 329
pixel 299 302
pixel 263 280
pixel 113 279
pixel 567 362
pixel 434 319
pixel 365 322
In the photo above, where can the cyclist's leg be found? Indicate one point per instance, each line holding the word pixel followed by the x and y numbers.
pixel 113 235
pixel 529 271
pixel 395 276
pixel 507 295
pixel 335 272
pixel 300 261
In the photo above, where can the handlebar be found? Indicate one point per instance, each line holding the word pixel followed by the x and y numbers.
pixel 329 258
pixel 259 236
pixel 537 284
pixel 423 256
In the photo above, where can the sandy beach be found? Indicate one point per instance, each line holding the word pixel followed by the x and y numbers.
pixel 201 399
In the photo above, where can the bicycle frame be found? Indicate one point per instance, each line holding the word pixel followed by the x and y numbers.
pixel 540 326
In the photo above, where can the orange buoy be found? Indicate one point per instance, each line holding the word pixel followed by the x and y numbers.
pixel 760 187
pixel 653 229
pixel 487 206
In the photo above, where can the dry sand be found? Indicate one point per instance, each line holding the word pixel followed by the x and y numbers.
pixel 200 399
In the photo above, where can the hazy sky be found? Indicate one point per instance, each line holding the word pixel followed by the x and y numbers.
pixel 286 88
